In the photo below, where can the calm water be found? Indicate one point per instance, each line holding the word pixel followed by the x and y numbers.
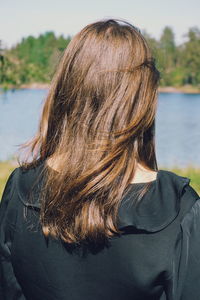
pixel 177 125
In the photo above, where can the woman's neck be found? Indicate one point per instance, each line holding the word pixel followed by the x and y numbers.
pixel 143 174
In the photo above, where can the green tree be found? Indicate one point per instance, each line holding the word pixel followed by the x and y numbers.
pixel 37 58
pixel 167 55
pixel 190 58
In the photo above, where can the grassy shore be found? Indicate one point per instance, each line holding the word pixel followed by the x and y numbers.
pixel 6 167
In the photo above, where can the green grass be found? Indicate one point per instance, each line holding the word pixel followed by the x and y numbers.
pixel 6 167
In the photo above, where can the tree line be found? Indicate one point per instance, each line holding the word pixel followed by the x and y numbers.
pixel 34 58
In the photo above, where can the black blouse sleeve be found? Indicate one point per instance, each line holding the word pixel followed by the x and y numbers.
pixel 9 286
pixel 189 263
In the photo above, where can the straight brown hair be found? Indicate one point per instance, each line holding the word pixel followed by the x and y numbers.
pixel 97 123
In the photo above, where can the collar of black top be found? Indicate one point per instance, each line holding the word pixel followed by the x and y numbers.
pixel 156 210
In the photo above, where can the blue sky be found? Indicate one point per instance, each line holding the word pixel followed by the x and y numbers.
pixel 20 18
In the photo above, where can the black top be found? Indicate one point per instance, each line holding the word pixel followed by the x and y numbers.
pixel 157 256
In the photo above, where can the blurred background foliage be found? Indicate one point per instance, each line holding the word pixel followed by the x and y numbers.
pixel 179 65
pixel 34 59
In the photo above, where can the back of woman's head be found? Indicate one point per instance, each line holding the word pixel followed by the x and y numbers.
pixel 97 124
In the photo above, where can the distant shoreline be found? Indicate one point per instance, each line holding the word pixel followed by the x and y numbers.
pixel 182 90
pixel 167 89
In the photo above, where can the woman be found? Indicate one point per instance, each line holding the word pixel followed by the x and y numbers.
pixel 90 216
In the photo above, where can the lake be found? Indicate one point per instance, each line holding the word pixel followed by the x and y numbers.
pixel 177 125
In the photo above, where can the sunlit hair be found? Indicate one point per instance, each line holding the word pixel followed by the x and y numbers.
pixel 97 123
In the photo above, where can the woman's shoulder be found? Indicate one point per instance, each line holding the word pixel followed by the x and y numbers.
pixel 21 181
pixel 169 196
pixel 177 184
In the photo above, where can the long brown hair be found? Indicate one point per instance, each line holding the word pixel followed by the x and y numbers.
pixel 97 123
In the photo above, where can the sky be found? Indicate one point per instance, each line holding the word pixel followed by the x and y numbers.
pixel 20 18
